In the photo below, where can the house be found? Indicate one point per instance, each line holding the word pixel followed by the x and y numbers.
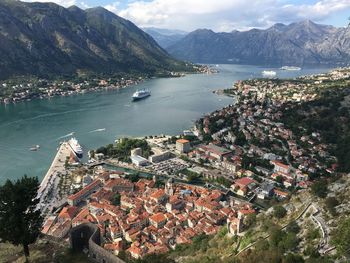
pixel 67 213
pixel 280 194
pixel 266 190
pixel 83 194
pixel 183 146
pixel 280 167
pixel 242 185
pixel 159 196
pixel 158 220
pixel 119 185
pixel 214 151
pixel 139 160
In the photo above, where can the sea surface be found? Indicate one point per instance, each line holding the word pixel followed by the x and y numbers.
pixel 99 118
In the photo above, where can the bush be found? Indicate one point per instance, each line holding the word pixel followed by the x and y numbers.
pixel 279 211
pixel 292 258
pixel 320 189
pixel 341 238
pixel 293 228
pixel 331 203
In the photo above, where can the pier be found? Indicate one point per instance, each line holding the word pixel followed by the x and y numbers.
pixel 47 192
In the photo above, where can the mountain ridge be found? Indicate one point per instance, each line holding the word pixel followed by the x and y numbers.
pixel 300 43
pixel 45 39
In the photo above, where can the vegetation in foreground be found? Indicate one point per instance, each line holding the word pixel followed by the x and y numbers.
pixel 20 220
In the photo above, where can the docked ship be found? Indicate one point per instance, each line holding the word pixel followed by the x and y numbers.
pixel 76 148
pixel 269 73
pixel 141 94
pixel 291 68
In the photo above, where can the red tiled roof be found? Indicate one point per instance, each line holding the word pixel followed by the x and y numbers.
pixel 183 141
pixel 158 218
pixel 245 181
pixel 158 194
pixel 68 212
pixel 85 189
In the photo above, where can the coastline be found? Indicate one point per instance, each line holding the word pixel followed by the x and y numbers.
pixel 55 89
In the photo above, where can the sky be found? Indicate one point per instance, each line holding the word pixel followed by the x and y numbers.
pixel 220 15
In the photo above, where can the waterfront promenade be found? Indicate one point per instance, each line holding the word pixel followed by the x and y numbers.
pixel 48 191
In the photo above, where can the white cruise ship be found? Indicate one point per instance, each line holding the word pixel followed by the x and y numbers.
pixel 140 94
pixel 76 148
pixel 291 68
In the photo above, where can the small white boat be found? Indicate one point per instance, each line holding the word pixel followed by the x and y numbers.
pixel 34 148
pixel 269 73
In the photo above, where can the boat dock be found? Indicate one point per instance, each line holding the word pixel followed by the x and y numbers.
pixel 47 192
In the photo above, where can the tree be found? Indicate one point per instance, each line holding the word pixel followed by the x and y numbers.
pixel 290 241
pixel 279 179
pixel 331 203
pixel 293 227
pixel 292 258
pixel 320 189
pixel 116 199
pixel 341 238
pixel 279 211
pixel 20 220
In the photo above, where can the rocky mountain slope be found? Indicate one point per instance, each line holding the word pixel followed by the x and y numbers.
pixel 165 37
pixel 303 43
pixel 47 39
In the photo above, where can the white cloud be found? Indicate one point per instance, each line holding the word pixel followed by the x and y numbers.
pixel 65 3
pixel 219 15
pixel 226 15
pixel 113 7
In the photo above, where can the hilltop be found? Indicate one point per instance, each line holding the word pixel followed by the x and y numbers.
pixel 45 39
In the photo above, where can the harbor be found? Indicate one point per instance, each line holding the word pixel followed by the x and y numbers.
pixel 47 192
pixel 45 122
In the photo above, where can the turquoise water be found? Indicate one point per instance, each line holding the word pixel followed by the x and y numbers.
pixel 174 105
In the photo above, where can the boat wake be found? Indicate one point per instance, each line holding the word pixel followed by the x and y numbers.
pixel 98 130
pixel 65 136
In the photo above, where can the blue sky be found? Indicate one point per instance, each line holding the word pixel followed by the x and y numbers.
pixel 221 15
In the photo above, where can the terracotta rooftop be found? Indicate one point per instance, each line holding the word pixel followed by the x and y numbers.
pixel 183 141
pixel 68 212
pixel 158 218
pixel 86 189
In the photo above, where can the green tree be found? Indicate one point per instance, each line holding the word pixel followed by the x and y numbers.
pixel 279 211
pixel 20 220
pixel 276 236
pixel 341 238
pixel 250 220
pixel 116 199
pixel 331 203
pixel 292 258
pixel 290 241
pixel 279 179
pixel 320 189
pixel 293 227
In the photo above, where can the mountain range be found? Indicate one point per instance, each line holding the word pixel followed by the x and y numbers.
pixel 46 39
pixel 297 44
pixel 165 37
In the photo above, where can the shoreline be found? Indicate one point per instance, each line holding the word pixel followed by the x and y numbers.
pixel 51 92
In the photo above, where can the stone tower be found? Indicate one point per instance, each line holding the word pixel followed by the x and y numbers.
pixel 169 187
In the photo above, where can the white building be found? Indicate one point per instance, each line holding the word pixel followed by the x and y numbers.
pixel 139 160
